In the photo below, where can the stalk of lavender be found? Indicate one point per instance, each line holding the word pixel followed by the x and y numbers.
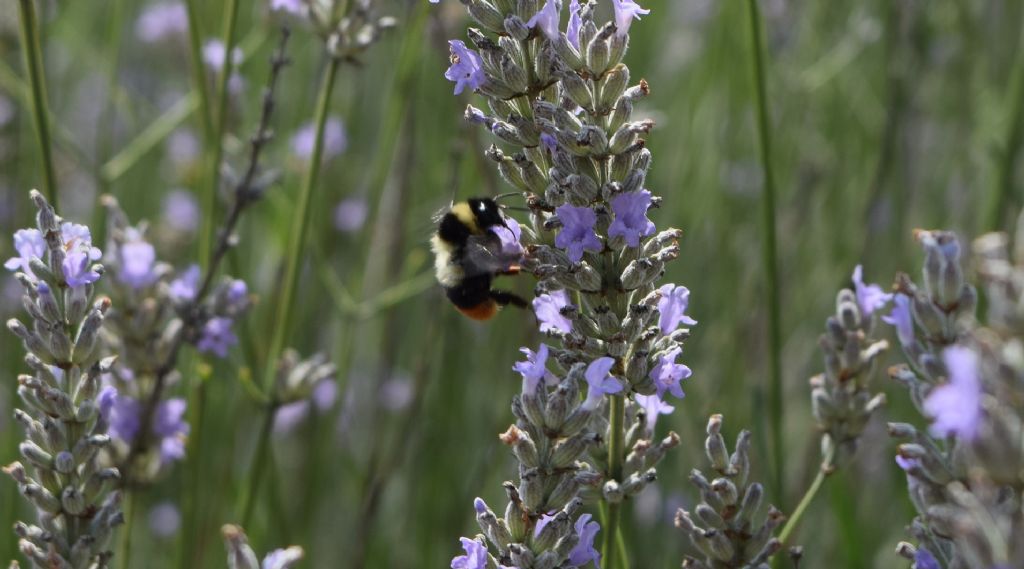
pixel 964 473
pixel 725 527
pixel 561 101
pixel 64 480
pixel 33 52
pixel 841 398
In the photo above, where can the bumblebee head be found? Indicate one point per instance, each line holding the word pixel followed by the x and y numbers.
pixel 486 212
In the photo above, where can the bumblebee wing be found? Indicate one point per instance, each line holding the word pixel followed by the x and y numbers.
pixel 483 254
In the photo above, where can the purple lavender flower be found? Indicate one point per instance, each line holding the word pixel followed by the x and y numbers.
pixel 396 393
pixel 547 18
pixel 577 234
pixel 923 559
pixel 870 297
pixel 290 415
pixel 672 308
pixel 599 382
pixel 955 407
pixel 137 258
pixel 77 269
pixel 217 337
pixel 164 520
pixel 475 557
pixel 667 374
pixel 170 426
pixel 351 213
pixel 183 147
pixel 584 551
pixel 652 406
pixel 901 319
pixel 214 53
pixel 466 69
pixel 297 7
pixel 282 558
pixel 181 211
pixel 572 32
pixel 28 243
pixel 161 21
pixel 547 308
pixel 544 520
pixel 534 369
pixel 631 221
pixel 335 140
pixel 625 11
pixel 186 286
pixel 549 141
pixel 238 295
pixel 122 414
pixel 509 235
pixel 906 463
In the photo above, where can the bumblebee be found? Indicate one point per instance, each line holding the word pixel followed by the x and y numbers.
pixel 468 256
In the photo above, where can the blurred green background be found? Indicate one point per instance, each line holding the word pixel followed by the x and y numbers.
pixel 887 115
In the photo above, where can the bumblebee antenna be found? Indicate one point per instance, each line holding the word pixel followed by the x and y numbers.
pixel 506 195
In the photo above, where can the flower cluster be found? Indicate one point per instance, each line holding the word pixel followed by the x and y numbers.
pixel 155 312
pixel 964 473
pixel 347 34
pixel 729 508
pixel 241 555
pixel 841 400
pixel 560 104
pixel 63 478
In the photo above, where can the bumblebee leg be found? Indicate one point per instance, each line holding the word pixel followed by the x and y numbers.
pixel 505 298
pixel 511 271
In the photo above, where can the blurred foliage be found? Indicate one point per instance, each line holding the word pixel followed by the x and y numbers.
pixel 887 114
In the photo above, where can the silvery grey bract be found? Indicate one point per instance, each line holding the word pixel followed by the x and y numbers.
pixel 76 513
pixel 726 526
pixel 965 475
pixel 242 556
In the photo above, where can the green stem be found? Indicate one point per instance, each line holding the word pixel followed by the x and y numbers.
pixel 775 403
pixel 215 149
pixel 199 71
pixel 1003 193
pixel 34 65
pixel 616 457
pixel 125 544
pixel 299 229
pixel 812 491
pixel 191 502
pixel 259 464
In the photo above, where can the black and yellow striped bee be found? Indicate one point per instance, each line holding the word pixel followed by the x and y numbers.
pixel 469 255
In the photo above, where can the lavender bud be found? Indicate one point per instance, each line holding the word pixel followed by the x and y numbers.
pixel 64 462
pixel 42 498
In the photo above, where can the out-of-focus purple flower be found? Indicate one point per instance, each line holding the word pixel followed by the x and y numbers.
pixel 170 426
pixel 672 308
pixel 183 147
pixel 396 393
pixel 290 415
pixel 325 393
pixel 282 558
pixel 236 297
pixel 351 213
pixel 901 319
pixel 217 337
pixel 164 520
pixel 297 7
pixel 214 52
pixel 475 557
pixel 584 551
pixel 547 307
pixel 955 407
pixel 577 233
pixel 870 297
pixel 549 141
pixel 547 18
pixel 667 374
pixel 28 243
pixel 631 221
pixel 923 559
pixel 625 12
pixel 122 414
pixel 510 234
pixel 161 21
pixel 181 211
pixel 652 406
pixel 906 463
pixel 572 32
pixel 186 286
pixel 335 140
pixel 466 69
pixel 599 382
pixel 534 369
pixel 136 261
